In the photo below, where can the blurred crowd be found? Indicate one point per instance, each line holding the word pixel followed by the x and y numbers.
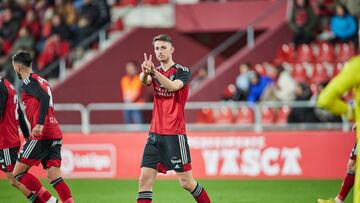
pixel 323 39
pixel 47 28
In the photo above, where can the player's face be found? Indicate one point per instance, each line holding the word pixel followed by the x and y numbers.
pixel 163 50
pixel 16 69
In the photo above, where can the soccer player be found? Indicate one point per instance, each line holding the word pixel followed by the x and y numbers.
pixel 167 147
pixel 330 98
pixel 11 117
pixel 348 181
pixel 44 144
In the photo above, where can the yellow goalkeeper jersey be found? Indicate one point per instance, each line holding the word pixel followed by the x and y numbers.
pixel 330 98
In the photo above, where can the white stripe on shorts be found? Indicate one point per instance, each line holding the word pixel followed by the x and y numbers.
pixel 7 157
pixel 183 149
pixel 29 148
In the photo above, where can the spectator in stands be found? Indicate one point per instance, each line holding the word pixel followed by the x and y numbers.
pixel 258 84
pixel 90 12
pixel 24 42
pixel 243 82
pixel 199 78
pixel 326 8
pixel 59 27
pixel 302 114
pixel 344 26
pixel 31 22
pixel 302 22
pixel 353 6
pixel 83 29
pixel 283 89
pixel 10 26
pixel 131 88
pixel 104 13
pixel 67 12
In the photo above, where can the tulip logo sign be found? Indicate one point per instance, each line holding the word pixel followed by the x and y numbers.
pixel 88 160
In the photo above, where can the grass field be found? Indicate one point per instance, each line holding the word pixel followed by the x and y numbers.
pixel 168 191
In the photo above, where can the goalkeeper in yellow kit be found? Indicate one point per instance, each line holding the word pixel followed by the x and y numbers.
pixel 330 98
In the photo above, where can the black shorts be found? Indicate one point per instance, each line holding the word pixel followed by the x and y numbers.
pixel 46 152
pixel 354 152
pixel 167 152
pixel 8 158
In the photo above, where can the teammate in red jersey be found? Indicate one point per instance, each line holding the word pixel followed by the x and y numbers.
pixel 45 141
pixel 11 117
pixel 167 147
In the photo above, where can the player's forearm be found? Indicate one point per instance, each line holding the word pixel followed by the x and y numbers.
pixel 44 108
pixel 23 126
pixel 171 86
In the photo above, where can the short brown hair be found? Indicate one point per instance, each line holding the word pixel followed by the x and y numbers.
pixel 163 37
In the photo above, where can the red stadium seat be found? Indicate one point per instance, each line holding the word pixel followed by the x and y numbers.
pixel 346 51
pixel 337 69
pixel 326 52
pixel 305 53
pixel 205 115
pixel 267 115
pixel 283 114
pixel 319 74
pixel 299 73
pixel 225 115
pixel 245 116
pixel 285 53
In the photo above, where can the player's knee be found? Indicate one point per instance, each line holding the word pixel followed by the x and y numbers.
pixel 351 165
pixel 186 184
pixel 13 182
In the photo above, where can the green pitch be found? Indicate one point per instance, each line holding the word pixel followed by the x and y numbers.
pixel 168 191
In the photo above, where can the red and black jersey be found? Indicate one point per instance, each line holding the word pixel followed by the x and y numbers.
pixel 10 115
pixel 168 115
pixel 39 107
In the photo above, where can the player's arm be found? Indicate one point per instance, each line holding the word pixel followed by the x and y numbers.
pixel 33 88
pixel 145 78
pixel 330 97
pixel 182 77
pixel 23 126
pixel 3 97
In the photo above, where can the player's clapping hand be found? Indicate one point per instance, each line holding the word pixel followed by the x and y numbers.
pixel 36 131
pixel 147 66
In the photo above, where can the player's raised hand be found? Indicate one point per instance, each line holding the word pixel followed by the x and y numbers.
pixel 147 66
pixel 36 131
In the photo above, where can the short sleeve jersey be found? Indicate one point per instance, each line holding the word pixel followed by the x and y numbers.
pixel 168 115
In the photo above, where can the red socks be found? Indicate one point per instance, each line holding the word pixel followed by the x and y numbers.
pixel 63 190
pixel 200 194
pixel 33 184
pixel 144 197
pixel 346 186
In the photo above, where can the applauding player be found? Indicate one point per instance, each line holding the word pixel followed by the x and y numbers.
pixel 167 147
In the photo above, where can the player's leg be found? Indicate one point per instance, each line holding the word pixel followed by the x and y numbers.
pixel 348 181
pixel 8 159
pixel 52 163
pixel 146 182
pixel 188 182
pixel 29 156
pixel 150 165
pixel 178 152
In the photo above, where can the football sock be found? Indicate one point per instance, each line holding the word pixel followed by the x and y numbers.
pixel 346 186
pixel 34 198
pixel 200 194
pixel 144 197
pixel 33 184
pixel 63 190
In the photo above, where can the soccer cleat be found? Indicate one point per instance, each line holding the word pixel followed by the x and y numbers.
pixel 331 200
